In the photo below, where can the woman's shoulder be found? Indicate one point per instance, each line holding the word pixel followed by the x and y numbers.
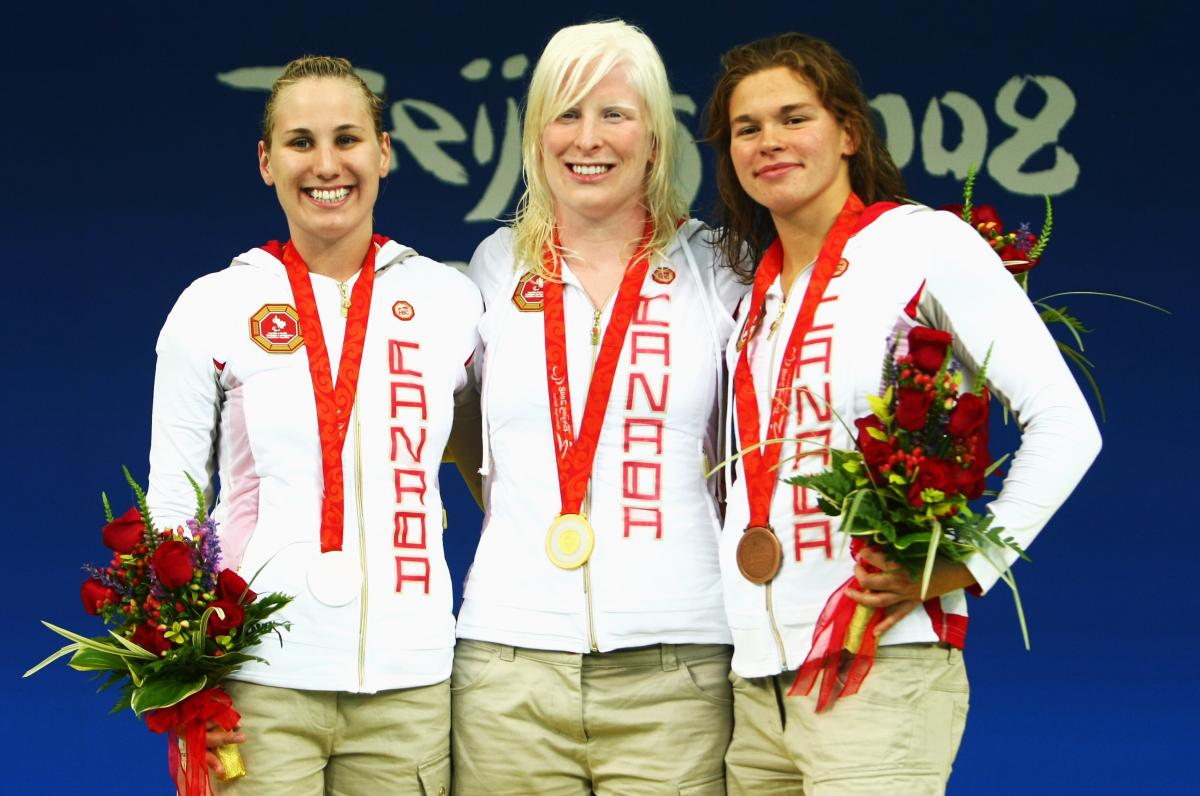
pixel 492 265
pixel 702 241
pixel 450 284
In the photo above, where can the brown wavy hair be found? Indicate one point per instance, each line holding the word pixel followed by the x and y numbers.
pixel 746 227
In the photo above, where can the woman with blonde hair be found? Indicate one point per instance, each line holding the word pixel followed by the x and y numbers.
pixel 592 653
pixel 809 206
pixel 319 377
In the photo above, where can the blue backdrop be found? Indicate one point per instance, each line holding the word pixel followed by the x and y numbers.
pixel 129 151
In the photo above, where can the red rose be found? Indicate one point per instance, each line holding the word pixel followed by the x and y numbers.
pixel 124 533
pixel 985 219
pixel 912 408
pixel 234 615
pixel 927 347
pixel 875 452
pixel 932 474
pixel 150 638
pixel 173 563
pixel 970 480
pixel 231 586
pixel 1016 260
pixel 96 595
pixel 968 416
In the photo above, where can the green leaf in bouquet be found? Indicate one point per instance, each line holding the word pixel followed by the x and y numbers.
pixel 881 406
pixel 140 495
pixel 877 434
pixel 995 465
pixel 907 540
pixel 201 512
pixel 49 659
pixel 135 650
pixel 114 679
pixel 123 703
pixel 94 660
pixel 895 478
pixel 108 512
pixel 935 537
pixel 163 692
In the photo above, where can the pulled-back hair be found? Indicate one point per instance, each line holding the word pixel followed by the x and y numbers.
pixel 575 59
pixel 314 66
pixel 746 227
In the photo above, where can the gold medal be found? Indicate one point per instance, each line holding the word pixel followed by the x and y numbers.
pixel 570 540
pixel 759 554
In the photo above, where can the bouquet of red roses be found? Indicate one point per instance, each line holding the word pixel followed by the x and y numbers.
pixel 1021 250
pixel 180 624
pixel 921 456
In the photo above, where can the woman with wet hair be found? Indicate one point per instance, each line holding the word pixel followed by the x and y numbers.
pixel 810 214
pixel 318 378
pixel 593 655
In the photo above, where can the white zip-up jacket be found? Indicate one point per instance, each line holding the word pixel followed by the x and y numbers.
pixel 653 576
pixel 958 284
pixel 224 404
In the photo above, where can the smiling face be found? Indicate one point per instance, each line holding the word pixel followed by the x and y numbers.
pixel 789 152
pixel 325 161
pixel 596 153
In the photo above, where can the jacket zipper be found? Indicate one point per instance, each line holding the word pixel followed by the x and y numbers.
pixel 362 549
pixel 587 568
pixel 769 590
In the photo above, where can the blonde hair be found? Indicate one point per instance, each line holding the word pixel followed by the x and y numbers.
pixel 314 66
pixel 574 61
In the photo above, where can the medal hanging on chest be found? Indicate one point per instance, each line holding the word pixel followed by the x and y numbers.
pixel 570 539
pixel 759 552
pixel 333 577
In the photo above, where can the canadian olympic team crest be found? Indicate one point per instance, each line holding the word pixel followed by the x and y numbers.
pixel 530 295
pixel 403 310
pixel 663 275
pixel 842 266
pixel 275 328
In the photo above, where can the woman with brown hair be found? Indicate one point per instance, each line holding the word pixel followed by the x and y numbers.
pixel 808 204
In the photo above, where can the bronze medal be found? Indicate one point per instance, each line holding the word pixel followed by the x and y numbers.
pixel 759 554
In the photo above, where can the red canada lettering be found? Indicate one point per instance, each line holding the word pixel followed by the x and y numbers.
pixel 643 517
pixel 396 357
pixel 653 437
pixel 417 389
pixel 645 305
pixel 409 522
pixel 805 540
pixel 641 480
pixel 654 403
pixel 806 449
pixel 404 572
pixel 804 501
pixel 399 433
pixel 650 344
pixel 816 352
pixel 410 482
pixel 821 405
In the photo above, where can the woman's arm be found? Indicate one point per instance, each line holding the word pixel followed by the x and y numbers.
pixel 186 411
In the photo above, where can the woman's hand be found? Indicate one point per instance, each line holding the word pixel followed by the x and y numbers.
pixel 892 587
pixel 218 737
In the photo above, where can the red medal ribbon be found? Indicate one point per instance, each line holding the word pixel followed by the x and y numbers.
pixel 334 402
pixel 760 459
pixel 188 721
pixel 574 455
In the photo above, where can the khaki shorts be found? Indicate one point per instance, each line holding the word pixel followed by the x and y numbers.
pixel 653 720
pixel 313 743
pixel 898 735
